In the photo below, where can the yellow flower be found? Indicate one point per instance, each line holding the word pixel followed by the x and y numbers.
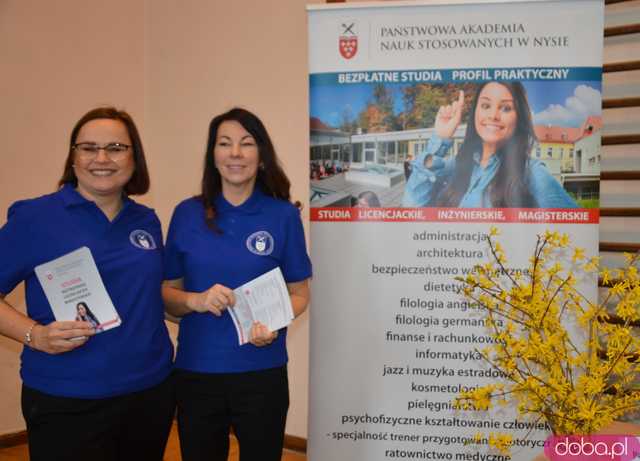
pixel 549 369
pixel 587 411
pixel 557 267
pixel 626 311
pixel 618 289
pixel 591 385
pixel 592 264
pixel 501 442
pixel 552 237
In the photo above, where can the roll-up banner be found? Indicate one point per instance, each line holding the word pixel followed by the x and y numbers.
pixel 430 122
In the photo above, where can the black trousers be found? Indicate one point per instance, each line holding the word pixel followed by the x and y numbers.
pixel 128 427
pixel 254 403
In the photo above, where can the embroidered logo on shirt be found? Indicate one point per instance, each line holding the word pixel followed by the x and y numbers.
pixel 142 239
pixel 260 243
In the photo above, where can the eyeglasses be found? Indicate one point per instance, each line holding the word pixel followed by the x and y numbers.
pixel 89 150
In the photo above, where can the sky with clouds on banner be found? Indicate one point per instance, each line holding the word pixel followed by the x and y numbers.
pixel 561 103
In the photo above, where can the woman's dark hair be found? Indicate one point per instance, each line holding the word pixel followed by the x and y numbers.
pixel 90 314
pixel 139 182
pixel 370 198
pixel 509 187
pixel 271 178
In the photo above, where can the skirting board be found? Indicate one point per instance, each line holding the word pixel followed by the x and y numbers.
pixel 291 442
pixel 13 439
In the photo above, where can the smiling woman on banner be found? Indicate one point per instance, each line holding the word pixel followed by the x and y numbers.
pixel 241 226
pixel 493 168
pixel 88 396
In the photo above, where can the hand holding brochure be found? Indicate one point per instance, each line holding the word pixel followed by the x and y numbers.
pixel 264 299
pixel 75 291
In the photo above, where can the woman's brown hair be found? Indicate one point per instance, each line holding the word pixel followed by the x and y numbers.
pixel 139 182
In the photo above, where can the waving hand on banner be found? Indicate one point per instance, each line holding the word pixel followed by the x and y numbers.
pixel 448 117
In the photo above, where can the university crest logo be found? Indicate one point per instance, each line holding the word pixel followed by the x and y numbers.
pixel 142 239
pixel 260 243
pixel 348 41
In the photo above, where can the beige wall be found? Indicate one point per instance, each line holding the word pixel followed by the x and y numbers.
pixel 57 60
pixel 172 65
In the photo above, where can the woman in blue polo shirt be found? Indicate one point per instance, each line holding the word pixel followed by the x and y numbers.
pixel 89 396
pixel 494 167
pixel 241 226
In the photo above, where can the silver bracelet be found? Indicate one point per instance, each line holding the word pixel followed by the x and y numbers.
pixel 28 339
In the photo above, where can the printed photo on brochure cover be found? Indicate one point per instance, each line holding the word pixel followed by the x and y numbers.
pixel 490 144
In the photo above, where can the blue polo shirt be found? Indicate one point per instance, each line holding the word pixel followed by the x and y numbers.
pixel 134 356
pixel 261 234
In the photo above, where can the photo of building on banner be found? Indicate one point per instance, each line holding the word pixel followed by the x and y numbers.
pixel 386 141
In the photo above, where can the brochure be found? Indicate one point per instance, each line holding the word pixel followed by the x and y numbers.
pixel 75 291
pixel 264 299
